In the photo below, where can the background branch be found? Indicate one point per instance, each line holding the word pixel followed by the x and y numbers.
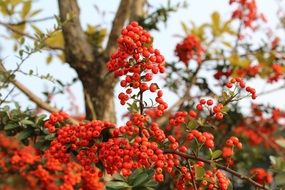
pixel 34 98
pixel 19 32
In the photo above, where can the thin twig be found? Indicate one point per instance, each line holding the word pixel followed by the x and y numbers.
pixel 11 28
pixel 192 176
pixel 34 98
pixel 32 21
pixel 222 167
pixel 184 98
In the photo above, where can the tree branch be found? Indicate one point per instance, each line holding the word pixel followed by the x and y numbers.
pixel 78 51
pixel 32 21
pixel 118 22
pixel 12 29
pixel 34 98
pixel 222 167
pixel 137 9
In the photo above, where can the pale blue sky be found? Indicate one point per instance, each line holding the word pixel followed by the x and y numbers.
pixel 199 11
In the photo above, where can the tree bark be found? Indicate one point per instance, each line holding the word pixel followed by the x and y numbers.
pixel 98 84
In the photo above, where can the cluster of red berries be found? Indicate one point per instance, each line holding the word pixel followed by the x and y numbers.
pixel 277 73
pixel 178 118
pixel 260 128
pixel 230 144
pixel 24 157
pixel 43 171
pixel 185 175
pixel 156 132
pixel 242 84
pixel 120 155
pixel 223 181
pixel 250 71
pixel 246 12
pixel 190 48
pixel 205 138
pixel 135 59
pixel 54 118
pixel 75 137
pixel 261 175
pixel 215 110
pixel 220 73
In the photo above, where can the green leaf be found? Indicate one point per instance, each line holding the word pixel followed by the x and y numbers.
pixel 192 124
pixel 151 183
pixel 216 154
pixel 25 134
pixel 199 172
pixel 117 185
pixel 27 122
pixel 10 127
pixel 134 175
pixel 142 188
pixel 50 137
pixel 118 177
pixel 140 179
pixel 185 28
pixel 40 119
pixel 225 109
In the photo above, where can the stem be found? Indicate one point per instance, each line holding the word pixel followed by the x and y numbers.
pixel 222 167
pixel 33 97
pixel 141 102
pixel 185 97
pixel 192 176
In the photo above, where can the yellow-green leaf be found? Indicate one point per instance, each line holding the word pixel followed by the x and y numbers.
pixel 35 12
pixel 49 58
pixel 216 22
pixel 56 39
pixel 185 28
pixel 227 44
pixel 26 9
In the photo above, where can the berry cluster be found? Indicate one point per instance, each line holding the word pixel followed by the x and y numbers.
pixel 190 48
pixel 75 137
pixel 239 82
pixel 261 175
pixel 223 181
pixel 185 175
pixel 277 73
pixel 54 118
pixel 120 155
pixel 215 110
pixel 260 128
pixel 223 72
pixel 246 12
pixel 204 138
pixel 137 61
pixel 230 144
pixel 43 171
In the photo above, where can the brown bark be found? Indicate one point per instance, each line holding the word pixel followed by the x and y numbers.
pixel 91 67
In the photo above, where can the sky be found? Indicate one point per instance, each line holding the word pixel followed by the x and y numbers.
pixel 198 11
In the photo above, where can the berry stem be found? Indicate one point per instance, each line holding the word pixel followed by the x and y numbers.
pixel 192 176
pixel 141 102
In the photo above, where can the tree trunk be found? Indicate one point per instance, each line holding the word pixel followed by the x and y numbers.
pixel 89 64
